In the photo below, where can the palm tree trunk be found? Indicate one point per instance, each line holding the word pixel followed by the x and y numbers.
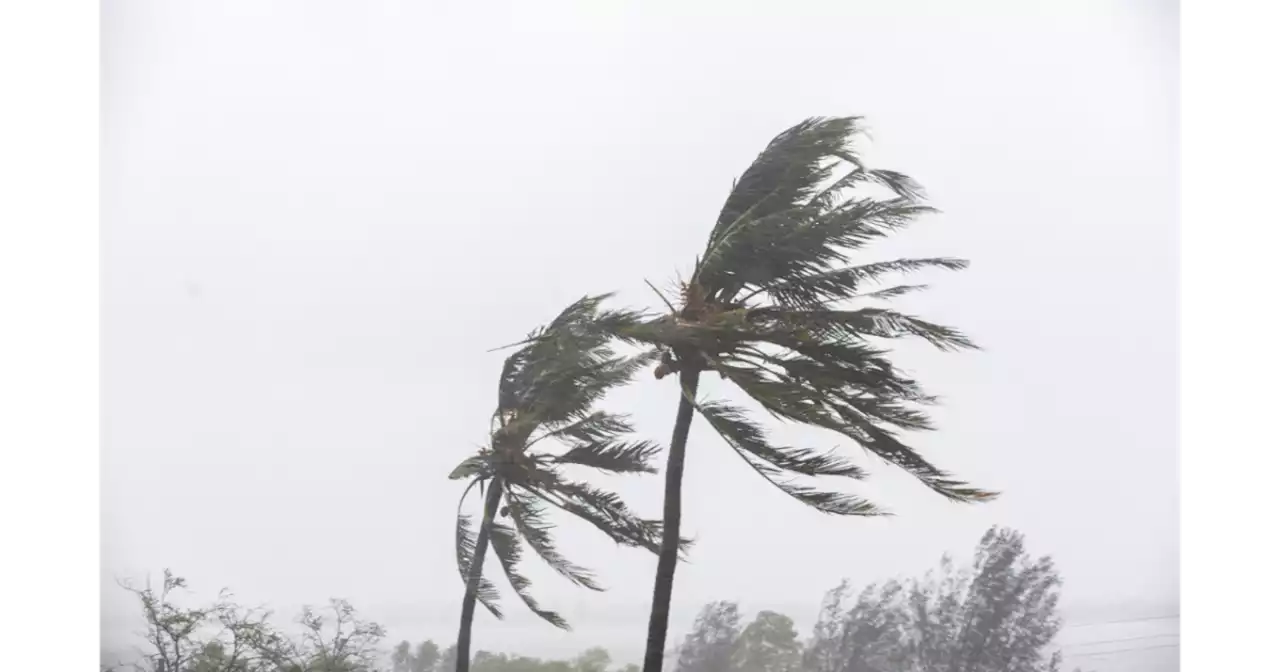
pixel 670 552
pixel 491 502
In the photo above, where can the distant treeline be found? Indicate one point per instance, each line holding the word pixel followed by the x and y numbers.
pixel 997 613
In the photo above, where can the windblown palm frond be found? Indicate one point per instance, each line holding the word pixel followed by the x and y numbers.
pixel 465 543
pixel 546 395
pixel 763 308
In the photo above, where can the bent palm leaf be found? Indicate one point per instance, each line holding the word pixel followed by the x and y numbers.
pixel 761 310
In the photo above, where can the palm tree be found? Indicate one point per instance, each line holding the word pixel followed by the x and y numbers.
pixel 546 393
pixel 763 309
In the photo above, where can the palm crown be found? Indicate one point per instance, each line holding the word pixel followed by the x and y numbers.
pixel 546 395
pixel 763 308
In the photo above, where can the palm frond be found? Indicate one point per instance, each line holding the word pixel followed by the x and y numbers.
pixel 790 216
pixel 886 445
pixel 801 241
pixel 773 464
pixel 549 352
pixel 836 325
pixel 818 287
pixel 571 396
pixel 901 185
pixel 744 435
pixel 605 511
pixel 506 545
pixel 851 366
pixel 616 456
pixel 475 466
pixel 791 170
pixel 885 323
pixel 531 523
pixel 558 379
pixel 891 292
pixel 596 427
pixel 856 418
pixel 826 501
pixel 465 550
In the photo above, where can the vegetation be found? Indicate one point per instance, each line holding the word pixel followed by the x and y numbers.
pixel 998 613
pixel 226 637
pixel 546 396
pixel 775 306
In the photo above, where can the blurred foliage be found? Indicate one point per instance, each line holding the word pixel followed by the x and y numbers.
pixel 996 613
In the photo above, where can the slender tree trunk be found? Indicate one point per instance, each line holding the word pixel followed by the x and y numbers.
pixel 473 579
pixel 669 554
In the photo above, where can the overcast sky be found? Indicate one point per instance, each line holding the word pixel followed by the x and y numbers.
pixel 319 215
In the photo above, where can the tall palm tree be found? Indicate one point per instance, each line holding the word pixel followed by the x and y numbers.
pixel 546 394
pixel 775 306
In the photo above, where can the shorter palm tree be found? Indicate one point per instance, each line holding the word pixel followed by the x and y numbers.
pixel 546 396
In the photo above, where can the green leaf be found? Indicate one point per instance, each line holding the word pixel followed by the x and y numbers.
pixel 891 292
pixel 531 523
pixel 507 547
pixel 555 378
pixel 732 424
pixel 607 512
pixel 787 226
pixel 820 286
pixel 791 170
pixel 773 464
pixel 619 457
pixel 861 323
pixel 886 445
pixel 596 427
pixel 837 503
pixel 465 542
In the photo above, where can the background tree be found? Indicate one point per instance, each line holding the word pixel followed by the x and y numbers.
pixel 401 656
pixel 448 659
pixel 710 646
pixel 408 658
pixel 763 309
pixel 334 640
pixel 998 615
pixel 1009 612
pixel 870 636
pixel 425 657
pixel 768 644
pixel 546 392
pixel 221 637
pixel 594 659
pixel 225 637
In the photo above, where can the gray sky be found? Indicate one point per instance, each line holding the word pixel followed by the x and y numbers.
pixel 319 215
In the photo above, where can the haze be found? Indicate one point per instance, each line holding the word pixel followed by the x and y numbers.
pixel 319 216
